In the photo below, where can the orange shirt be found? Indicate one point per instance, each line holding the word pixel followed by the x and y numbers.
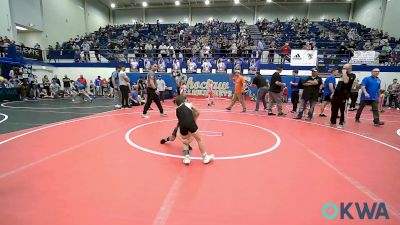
pixel 239 83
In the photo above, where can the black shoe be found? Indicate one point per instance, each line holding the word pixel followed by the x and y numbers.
pixel 271 114
pixel 322 115
pixel 163 141
pixel 297 118
pixel 228 109
pixel 379 124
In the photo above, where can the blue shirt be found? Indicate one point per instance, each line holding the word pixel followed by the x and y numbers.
pixel 372 86
pixel 115 74
pixel 134 95
pixel 295 79
pixel 97 82
pixel 329 80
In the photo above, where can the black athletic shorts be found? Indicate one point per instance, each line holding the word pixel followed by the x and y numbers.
pixel 192 128
pixel 327 98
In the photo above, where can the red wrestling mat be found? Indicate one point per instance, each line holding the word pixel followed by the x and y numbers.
pixel 110 169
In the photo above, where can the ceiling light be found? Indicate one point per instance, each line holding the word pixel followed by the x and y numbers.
pixel 144 4
pixel 177 3
pixel 207 2
pixel 237 2
pixel 112 5
pixel 269 1
pixel 308 0
pixel 20 28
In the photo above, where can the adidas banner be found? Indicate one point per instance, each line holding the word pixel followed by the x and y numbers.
pixel 300 57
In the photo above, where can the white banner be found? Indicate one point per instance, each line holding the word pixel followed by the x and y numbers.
pixel 301 57
pixel 363 57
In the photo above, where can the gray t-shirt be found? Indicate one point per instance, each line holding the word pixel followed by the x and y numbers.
pixel 122 81
pixel 151 76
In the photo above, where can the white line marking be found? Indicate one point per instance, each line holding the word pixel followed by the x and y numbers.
pixel 73 107
pixel 322 125
pixel 353 181
pixel 133 144
pixel 5 117
pixel 27 166
pixel 166 207
pixel 61 112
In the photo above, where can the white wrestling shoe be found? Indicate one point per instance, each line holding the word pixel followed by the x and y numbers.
pixel 207 158
pixel 186 160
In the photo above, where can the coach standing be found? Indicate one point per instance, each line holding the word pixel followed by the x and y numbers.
pixel 275 92
pixel 115 84
pixel 238 95
pixel 310 94
pixel 341 95
pixel 294 86
pixel 369 96
pixel 152 93
pixel 262 89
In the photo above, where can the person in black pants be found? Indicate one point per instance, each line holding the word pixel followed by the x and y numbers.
pixel 295 87
pixel 341 95
pixel 152 93
pixel 124 87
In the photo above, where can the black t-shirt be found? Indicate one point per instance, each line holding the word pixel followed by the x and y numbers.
pixel 312 91
pixel 185 116
pixel 274 87
pixel 67 82
pixel 343 90
pixel 259 81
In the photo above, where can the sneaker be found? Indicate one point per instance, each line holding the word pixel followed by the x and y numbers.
pixel 322 115
pixel 340 126
pixel 358 120
pixel 244 110
pixel 118 106
pixel 292 111
pixel 256 110
pixel 271 114
pixel 145 116
pixel 308 119
pixel 282 114
pixel 379 124
pixel 389 107
pixel 163 115
pixel 228 109
pixel 163 141
pixel 207 158
pixel 297 118
pixel 186 160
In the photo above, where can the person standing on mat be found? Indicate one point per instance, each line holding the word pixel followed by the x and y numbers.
pixel 275 92
pixel 115 83
pixel 355 88
pixel 295 87
pixel 262 89
pixel 310 94
pixel 370 95
pixel 341 95
pixel 394 94
pixel 124 87
pixel 329 88
pixel 152 93
pixel 238 95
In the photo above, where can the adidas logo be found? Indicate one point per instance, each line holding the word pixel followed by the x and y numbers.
pixel 297 56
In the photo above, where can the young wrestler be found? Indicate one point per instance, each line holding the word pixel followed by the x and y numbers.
pixel 210 94
pixel 188 130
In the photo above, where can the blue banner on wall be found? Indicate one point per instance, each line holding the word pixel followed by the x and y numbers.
pixel 197 84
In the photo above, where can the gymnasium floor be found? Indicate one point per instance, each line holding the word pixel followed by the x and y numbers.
pixel 66 163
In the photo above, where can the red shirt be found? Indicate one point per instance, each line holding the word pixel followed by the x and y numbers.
pixel 82 81
pixel 285 50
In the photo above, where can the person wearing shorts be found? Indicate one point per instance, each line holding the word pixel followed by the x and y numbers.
pixel 188 129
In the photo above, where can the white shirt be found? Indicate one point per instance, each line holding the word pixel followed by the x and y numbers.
pixel 160 85
pixel 121 77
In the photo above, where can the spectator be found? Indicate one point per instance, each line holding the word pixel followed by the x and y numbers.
pixel 285 53
pixel 82 80
pixel 97 84
pixel 161 87
pixel 55 89
pixel 37 46
pixel 86 49
pixel 46 84
pixel 394 94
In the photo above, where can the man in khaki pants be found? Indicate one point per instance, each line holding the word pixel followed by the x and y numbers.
pixel 238 95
